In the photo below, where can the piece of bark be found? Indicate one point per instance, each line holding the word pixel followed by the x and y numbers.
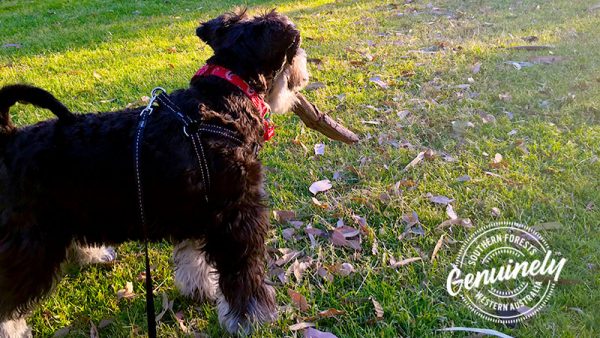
pixel 323 123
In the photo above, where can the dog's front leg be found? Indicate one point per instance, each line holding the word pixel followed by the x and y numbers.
pixel 238 249
pixel 194 276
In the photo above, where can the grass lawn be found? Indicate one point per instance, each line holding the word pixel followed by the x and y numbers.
pixel 438 63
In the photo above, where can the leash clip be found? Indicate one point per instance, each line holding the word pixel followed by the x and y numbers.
pixel 155 92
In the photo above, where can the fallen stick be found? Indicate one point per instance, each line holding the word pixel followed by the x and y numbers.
pixel 323 123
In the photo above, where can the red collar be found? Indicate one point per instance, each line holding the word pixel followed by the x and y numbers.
pixel 237 81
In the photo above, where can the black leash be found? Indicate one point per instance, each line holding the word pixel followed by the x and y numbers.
pixel 192 129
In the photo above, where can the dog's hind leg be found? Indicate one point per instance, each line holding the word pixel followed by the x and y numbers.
pixel 30 262
pixel 15 328
pixel 237 247
pixel 194 276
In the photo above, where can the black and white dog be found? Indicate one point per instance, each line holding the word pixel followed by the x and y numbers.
pixel 68 184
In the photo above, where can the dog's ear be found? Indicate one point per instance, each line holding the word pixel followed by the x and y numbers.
pixel 212 32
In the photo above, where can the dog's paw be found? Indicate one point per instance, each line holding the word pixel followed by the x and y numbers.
pixel 96 254
pixel 15 328
pixel 261 309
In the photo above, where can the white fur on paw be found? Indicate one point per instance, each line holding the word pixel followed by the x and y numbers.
pixel 15 328
pixel 194 277
pixel 96 254
pixel 258 312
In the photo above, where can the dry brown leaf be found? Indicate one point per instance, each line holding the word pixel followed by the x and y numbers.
pixel 464 222
pixel 288 233
pixel 340 237
pixel 531 47
pixel 315 86
pixel 378 81
pixel 325 274
pixel 127 292
pixel 180 319
pixel 439 199
pixel 450 212
pixel 301 326
pixel 437 247
pixel 93 330
pixel 62 332
pixel 288 255
pixel 496 212
pixel 547 226
pixel 415 161
pixel 547 59
pixel 105 322
pixel 284 216
pixel 378 308
pixel 298 300
pixel 166 306
pixel 476 68
pixel 314 333
pixel 397 264
pixel 320 186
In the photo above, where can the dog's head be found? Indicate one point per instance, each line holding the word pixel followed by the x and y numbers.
pixel 264 49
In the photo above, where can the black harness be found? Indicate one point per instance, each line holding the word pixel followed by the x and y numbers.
pixel 193 130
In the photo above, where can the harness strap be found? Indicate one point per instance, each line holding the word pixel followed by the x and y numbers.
pixel 192 129
pixel 139 137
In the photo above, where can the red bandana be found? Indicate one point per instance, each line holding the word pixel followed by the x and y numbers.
pixel 237 81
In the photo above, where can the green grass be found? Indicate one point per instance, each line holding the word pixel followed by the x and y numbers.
pixel 102 55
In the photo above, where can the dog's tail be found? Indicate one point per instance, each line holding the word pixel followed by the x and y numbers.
pixel 9 95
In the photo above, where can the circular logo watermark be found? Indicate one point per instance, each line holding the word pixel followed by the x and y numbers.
pixel 505 272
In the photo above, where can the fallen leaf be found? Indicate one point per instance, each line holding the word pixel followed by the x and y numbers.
pixel 496 212
pixel 314 333
pixel 127 292
pixel 284 216
pixel 288 233
pixel 325 274
pixel 378 308
pixel 180 319
pixel 62 332
pixel 464 178
pixel 450 212
pixel 437 247
pixel 578 310
pixel 166 306
pixel 338 238
pixel 301 326
pixel 105 322
pixel 298 268
pixel 476 68
pixel 96 75
pixel 498 161
pixel 505 97
pixel 378 81
pixel 519 64
pixel 11 45
pixel 319 149
pixel 547 59
pixel 397 264
pixel 315 86
pixel 415 161
pixel 460 127
pixel 298 300
pixel 93 330
pixel 439 199
pixel 472 329
pixel 530 47
pixel 530 38
pixel 464 222
pixel 547 226
pixel 331 313
pixel 288 255
pixel 172 50
pixel 487 118
pixel 344 269
pixel 320 186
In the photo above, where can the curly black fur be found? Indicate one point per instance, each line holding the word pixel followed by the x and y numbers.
pixel 74 182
